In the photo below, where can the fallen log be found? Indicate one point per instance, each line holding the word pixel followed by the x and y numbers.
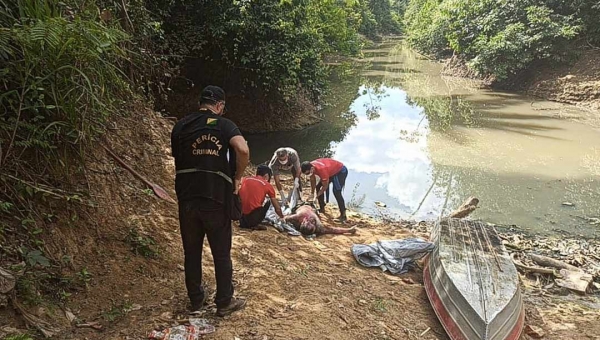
pixel 465 209
pixel 545 271
pixel 550 262
pixel 523 267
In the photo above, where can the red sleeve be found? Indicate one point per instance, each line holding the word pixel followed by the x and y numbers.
pixel 270 191
pixel 322 176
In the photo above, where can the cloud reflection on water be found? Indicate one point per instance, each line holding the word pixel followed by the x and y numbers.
pixel 401 169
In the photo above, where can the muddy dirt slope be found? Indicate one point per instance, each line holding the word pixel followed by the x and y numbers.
pixel 578 83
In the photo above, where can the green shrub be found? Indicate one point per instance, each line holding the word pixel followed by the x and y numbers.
pixel 382 12
pixel 502 37
pixel 495 37
pixel 142 244
pixel 269 47
pixel 426 26
pixel 61 80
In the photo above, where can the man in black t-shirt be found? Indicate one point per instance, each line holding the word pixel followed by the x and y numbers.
pixel 210 158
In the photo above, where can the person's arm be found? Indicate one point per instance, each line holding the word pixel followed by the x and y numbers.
pixel 293 220
pixel 277 207
pixel 298 172
pixel 275 169
pixel 278 183
pixel 313 186
pixel 273 160
pixel 280 189
pixel 325 184
pixel 242 153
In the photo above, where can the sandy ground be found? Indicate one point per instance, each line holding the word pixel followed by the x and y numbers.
pixel 296 288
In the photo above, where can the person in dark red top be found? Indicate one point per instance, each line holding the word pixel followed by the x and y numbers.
pixel 329 171
pixel 253 192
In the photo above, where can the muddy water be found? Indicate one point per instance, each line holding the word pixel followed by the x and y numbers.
pixel 422 143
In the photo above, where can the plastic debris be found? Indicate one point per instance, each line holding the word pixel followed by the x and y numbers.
pixel 192 331
pixel 396 256
pixel 93 325
pixel 203 326
pixel 274 220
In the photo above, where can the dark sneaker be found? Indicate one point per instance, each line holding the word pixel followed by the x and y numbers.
pixel 341 219
pixel 260 227
pixel 197 306
pixel 233 306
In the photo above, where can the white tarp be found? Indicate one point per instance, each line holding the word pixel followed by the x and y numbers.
pixel 272 217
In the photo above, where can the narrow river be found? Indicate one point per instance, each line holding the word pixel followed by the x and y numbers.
pixel 421 143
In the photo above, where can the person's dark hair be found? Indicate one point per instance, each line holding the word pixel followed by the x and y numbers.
pixel 282 152
pixel 212 94
pixel 305 166
pixel 262 170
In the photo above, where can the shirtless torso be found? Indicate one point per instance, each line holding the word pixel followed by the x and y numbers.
pixel 307 222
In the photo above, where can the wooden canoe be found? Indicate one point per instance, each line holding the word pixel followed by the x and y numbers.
pixel 472 283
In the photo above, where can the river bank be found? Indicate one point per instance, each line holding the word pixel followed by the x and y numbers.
pixel 420 142
pixel 120 269
pixel 576 82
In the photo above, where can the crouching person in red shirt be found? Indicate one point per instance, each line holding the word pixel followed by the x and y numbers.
pixel 329 171
pixel 253 192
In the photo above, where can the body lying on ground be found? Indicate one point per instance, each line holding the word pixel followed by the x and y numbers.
pixel 306 221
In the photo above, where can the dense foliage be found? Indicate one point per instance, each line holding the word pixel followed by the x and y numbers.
pixel 274 48
pixel 67 66
pixel 62 76
pixel 500 37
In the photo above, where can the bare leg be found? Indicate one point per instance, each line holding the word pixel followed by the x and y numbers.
pixel 336 231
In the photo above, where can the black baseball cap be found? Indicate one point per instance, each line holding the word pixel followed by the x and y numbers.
pixel 212 94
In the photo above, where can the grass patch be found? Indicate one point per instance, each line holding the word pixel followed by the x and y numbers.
pixel 356 201
pixel 142 244
pixel 117 311
pixel 381 305
pixel 18 337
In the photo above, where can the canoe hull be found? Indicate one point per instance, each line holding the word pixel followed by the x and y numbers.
pixel 472 284
pixel 450 324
